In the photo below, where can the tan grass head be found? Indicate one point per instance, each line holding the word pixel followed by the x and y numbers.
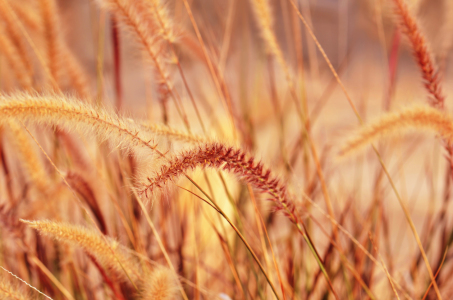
pixel 106 251
pixel 70 113
pixel 10 291
pixel 417 117
pixel 160 284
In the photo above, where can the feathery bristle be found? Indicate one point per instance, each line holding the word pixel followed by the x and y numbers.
pixel 159 12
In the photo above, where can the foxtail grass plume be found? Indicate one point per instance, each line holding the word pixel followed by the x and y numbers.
pixel 263 14
pixel 7 15
pixel 221 157
pixel 15 61
pixel 160 284
pixel 421 52
pixel 70 113
pixel 131 15
pixel 418 117
pixel 29 158
pixel 9 291
pixel 160 13
pixel 106 250
pixel 60 60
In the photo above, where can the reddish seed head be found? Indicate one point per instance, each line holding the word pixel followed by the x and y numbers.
pixel 226 158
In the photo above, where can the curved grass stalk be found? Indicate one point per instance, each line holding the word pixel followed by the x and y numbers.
pixel 89 216
pixel 174 134
pixel 264 17
pixel 418 117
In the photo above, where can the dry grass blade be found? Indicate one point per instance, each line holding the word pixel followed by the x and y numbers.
pixel 52 277
pixel 418 117
pixel 52 39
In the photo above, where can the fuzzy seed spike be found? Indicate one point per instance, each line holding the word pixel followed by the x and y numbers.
pixel 418 117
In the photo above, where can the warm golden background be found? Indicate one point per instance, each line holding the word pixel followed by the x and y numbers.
pixel 247 74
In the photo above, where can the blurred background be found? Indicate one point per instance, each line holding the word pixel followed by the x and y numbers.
pixel 373 58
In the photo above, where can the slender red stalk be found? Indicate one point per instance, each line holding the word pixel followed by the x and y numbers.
pixel 107 280
pixel 117 64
